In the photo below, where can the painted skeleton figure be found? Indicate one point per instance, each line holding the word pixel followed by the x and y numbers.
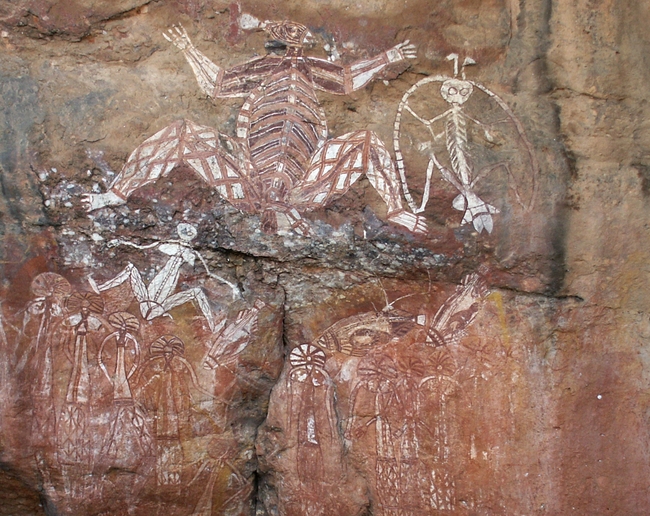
pixel 281 160
pixel 461 172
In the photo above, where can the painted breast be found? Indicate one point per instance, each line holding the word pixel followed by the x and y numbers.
pixel 284 124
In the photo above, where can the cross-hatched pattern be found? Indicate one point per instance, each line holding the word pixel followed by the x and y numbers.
pixel 388 488
pixel 169 462
pixel 216 158
pixel 339 163
pixel 74 445
pixel 129 437
pixel 280 161
pixel 441 491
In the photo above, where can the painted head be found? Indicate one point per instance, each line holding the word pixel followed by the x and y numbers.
pixel 167 347
pixel 456 91
pixel 186 232
pixel 308 363
pixel 290 33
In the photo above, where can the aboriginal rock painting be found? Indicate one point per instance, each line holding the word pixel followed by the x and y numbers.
pixel 282 161
pixel 158 298
pixel 376 386
pixel 473 142
pixel 123 395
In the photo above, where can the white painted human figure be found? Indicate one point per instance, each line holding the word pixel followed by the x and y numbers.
pixel 378 376
pixel 445 329
pixel 49 290
pixel 166 381
pixel 84 307
pixel 456 92
pixel 158 298
pixel 74 448
pixel 128 442
pixel 281 161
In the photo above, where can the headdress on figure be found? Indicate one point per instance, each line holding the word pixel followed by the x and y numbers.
pixel 290 33
pixel 167 344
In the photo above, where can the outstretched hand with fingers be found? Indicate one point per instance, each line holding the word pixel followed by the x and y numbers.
pixel 177 35
pixel 401 51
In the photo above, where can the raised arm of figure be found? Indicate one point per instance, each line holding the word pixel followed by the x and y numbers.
pixel 208 74
pixel 214 80
pixel 334 78
pixel 235 291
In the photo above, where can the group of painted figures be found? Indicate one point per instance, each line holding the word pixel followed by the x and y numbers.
pixel 110 391
pixel 376 385
pixel 140 393
pixel 283 162
pixel 107 393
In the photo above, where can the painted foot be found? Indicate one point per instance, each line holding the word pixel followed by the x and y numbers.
pixel 92 202
pixel 414 223
pixel 483 222
pixel 269 222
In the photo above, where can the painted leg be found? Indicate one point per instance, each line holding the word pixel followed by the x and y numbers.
pixel 128 273
pixel 340 162
pixel 297 223
pixel 222 163
pixel 193 294
pixel 216 158
pixel 153 158
pixel 477 211
pixel 148 308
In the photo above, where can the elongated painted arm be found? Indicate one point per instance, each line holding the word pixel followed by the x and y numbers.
pixel 213 80
pixel 207 73
pixel 334 78
pixel 116 242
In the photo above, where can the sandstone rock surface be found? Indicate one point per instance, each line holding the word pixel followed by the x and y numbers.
pixel 172 354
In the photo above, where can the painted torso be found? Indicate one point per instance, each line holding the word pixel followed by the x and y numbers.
pixel 283 124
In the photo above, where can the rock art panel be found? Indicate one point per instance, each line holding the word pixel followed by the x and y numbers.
pixel 125 407
pixel 139 345
pixel 282 161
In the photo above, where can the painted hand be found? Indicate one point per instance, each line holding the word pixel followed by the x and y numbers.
pixel 177 35
pixel 92 201
pixel 404 50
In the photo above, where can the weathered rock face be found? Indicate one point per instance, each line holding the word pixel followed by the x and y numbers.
pixel 333 273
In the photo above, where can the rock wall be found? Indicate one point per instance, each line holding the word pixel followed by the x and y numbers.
pixel 387 259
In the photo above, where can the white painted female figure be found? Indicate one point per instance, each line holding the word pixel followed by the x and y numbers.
pixel 74 449
pixel 157 298
pixel 128 444
pixel 311 413
pixel 49 290
pixel 162 381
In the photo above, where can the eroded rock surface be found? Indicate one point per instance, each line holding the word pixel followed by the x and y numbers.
pixel 259 322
